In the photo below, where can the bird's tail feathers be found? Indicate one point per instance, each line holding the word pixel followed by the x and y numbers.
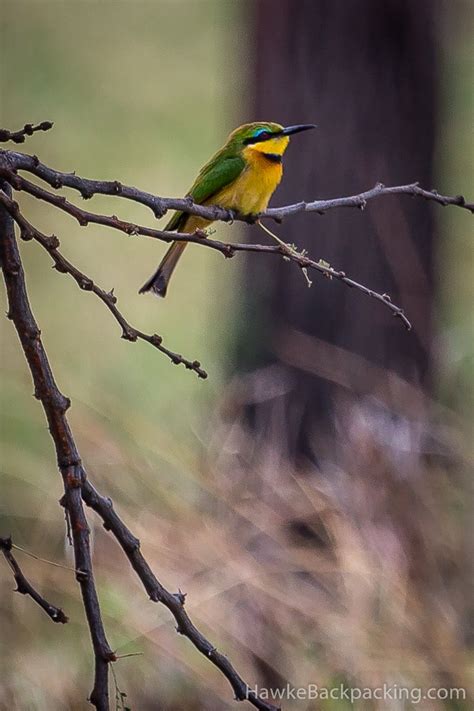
pixel 158 282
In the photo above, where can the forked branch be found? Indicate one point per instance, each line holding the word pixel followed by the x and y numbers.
pixel 85 218
pixel 55 406
pixel 78 488
pixel 51 243
pixel 160 205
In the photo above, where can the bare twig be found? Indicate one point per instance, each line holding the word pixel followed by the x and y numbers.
pixel 129 333
pixel 27 130
pixel 228 250
pixel 77 487
pixel 25 587
pixel 160 205
pixel 360 200
pixel 157 593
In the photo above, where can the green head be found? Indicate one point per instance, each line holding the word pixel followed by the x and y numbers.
pixel 261 131
pixel 264 137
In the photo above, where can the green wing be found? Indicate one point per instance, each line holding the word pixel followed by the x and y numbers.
pixel 222 169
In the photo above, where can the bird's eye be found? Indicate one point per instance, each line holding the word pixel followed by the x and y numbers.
pixel 262 133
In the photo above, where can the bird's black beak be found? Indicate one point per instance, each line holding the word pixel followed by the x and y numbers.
pixel 289 130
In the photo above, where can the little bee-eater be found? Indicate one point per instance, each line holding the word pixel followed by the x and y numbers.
pixel 241 177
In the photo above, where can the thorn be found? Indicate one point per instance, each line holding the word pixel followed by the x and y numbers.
pixel 181 597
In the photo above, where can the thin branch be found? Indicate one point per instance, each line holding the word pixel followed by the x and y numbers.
pixel 227 249
pixel 160 205
pixel 25 587
pixel 51 243
pixel 27 130
pixel 77 487
pixel 360 200
pixel 157 593
pixel 55 406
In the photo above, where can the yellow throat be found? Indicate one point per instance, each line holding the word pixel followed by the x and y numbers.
pixel 252 190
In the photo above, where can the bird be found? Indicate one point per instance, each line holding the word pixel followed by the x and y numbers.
pixel 241 177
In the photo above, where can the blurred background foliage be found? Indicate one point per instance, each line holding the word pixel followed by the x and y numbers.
pixel 289 572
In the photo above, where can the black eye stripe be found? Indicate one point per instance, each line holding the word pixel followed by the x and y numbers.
pixel 264 136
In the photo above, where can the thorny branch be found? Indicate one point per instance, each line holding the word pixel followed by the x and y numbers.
pixel 27 130
pixel 228 250
pixel 51 244
pixel 76 484
pixel 78 488
pixel 160 205
pixel 55 406
pixel 25 587
pixel 11 162
pixel 174 602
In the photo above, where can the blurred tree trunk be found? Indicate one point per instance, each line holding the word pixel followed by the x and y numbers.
pixel 365 72
pixel 332 379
